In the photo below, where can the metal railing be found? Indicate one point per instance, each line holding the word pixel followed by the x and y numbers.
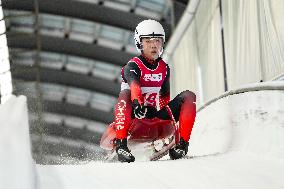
pixel 273 85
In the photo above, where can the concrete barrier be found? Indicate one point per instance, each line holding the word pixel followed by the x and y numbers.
pixel 248 119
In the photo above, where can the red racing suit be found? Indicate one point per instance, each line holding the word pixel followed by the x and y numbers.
pixel 149 83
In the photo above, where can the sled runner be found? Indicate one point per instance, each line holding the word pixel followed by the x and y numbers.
pixel 155 135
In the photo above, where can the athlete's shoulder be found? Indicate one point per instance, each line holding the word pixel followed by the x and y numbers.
pixel 166 65
pixel 134 59
pixel 164 62
pixel 130 63
pixel 129 68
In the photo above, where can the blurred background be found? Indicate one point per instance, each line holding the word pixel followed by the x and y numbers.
pixel 66 56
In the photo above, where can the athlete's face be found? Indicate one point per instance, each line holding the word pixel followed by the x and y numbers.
pixel 152 47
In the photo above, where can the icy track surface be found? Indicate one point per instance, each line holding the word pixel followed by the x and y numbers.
pixel 237 142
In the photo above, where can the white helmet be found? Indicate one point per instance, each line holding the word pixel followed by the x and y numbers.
pixel 148 28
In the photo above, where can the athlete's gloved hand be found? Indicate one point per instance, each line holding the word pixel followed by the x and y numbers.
pixel 139 110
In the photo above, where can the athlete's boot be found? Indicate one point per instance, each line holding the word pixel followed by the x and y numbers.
pixel 123 153
pixel 179 150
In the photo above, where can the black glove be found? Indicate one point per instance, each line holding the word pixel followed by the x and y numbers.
pixel 139 110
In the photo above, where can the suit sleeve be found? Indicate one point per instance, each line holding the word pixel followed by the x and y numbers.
pixel 131 75
pixel 164 96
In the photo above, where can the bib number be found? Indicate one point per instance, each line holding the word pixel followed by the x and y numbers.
pixel 150 99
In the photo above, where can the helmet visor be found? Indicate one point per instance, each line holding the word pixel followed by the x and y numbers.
pixel 149 41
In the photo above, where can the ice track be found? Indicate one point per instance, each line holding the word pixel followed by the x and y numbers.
pixel 237 142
